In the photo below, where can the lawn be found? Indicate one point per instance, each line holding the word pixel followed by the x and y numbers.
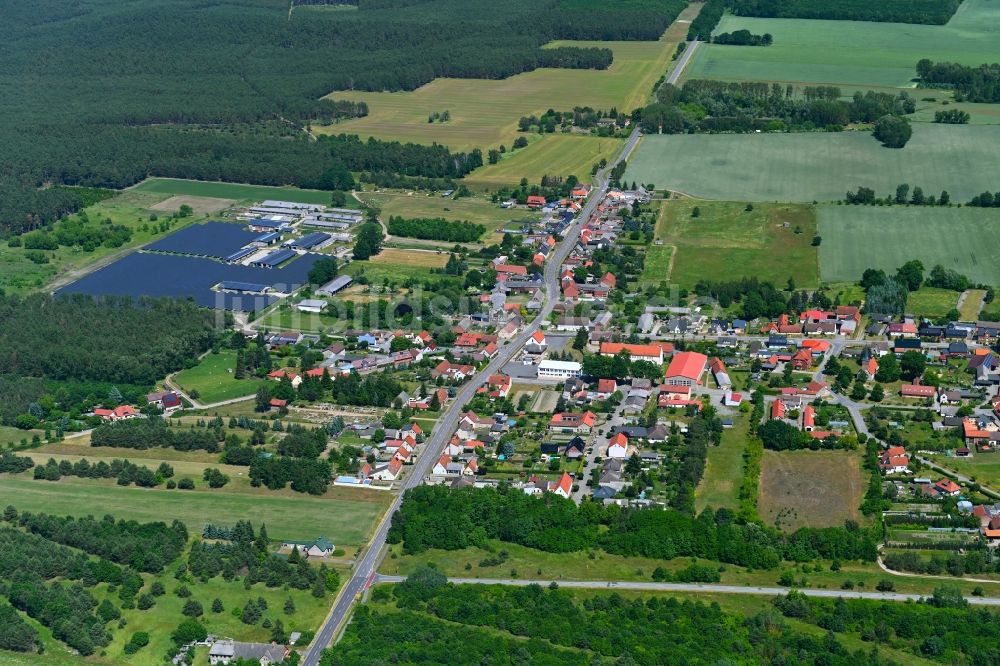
pixel 818 166
pixel 394 265
pixel 554 154
pixel 982 467
pixel 347 521
pixel 860 237
pixel 214 381
pixel 478 210
pixel 851 53
pixel 772 242
pixel 810 488
pixel 237 191
pixel 484 113
pixel 131 208
pixel 720 484
pixel 931 302
pixel 658 265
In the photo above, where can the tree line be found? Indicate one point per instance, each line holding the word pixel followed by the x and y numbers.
pixel 936 12
pixel 436 228
pixel 439 517
pixel 743 38
pixel 971 84
pixel 702 105
pixel 150 433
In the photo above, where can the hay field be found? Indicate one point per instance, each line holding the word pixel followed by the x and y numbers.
pixel 810 488
pixel 819 166
pixel 554 154
pixel 850 53
pixel 860 237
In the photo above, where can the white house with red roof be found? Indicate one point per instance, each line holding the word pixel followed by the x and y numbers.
pixel 894 460
pixel 563 487
pixel 651 352
pixel 499 385
pixel 573 422
pixel 618 446
pixel 536 343
pixel 389 471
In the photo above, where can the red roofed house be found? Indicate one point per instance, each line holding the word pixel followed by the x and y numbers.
pixel 535 201
pixel 609 280
pixel 388 472
pixel 948 487
pixel 917 390
pixel 894 460
pixel 511 269
pixel 870 367
pixel 564 487
pixel 808 418
pixel 536 343
pixel 571 422
pixel 499 386
pixel 120 413
pixel 802 359
pixel 570 290
pixel 618 446
pixel 606 388
pixel 651 353
pixel 777 410
pixel 278 403
pixel 686 369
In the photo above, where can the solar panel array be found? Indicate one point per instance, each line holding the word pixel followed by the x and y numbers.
pixel 212 239
pixel 178 276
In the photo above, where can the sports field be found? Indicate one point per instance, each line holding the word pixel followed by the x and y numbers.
pixel 772 242
pixel 860 237
pixel 555 155
pixel 810 488
pixel 238 191
pixel 214 381
pixel 819 166
pixel 484 113
pixel 345 521
pixel 851 53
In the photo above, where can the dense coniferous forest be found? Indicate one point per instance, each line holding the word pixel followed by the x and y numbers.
pixel 153 432
pixel 971 84
pixel 105 94
pixel 885 11
pixel 115 340
pixel 427 619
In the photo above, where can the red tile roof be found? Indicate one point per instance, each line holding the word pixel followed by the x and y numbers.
pixel 688 365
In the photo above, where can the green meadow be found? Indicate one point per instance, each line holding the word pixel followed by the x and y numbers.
pixel 819 166
pixel 850 53
pixel 860 237
pixel 237 191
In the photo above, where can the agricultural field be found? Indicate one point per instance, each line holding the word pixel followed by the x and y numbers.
pixel 554 154
pixel 234 191
pixel 850 53
pixel 346 516
pixel 860 237
pixel 213 379
pixel 484 113
pixel 818 166
pixel 772 242
pixel 478 210
pixel 395 265
pixel 810 488
pixel 720 485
